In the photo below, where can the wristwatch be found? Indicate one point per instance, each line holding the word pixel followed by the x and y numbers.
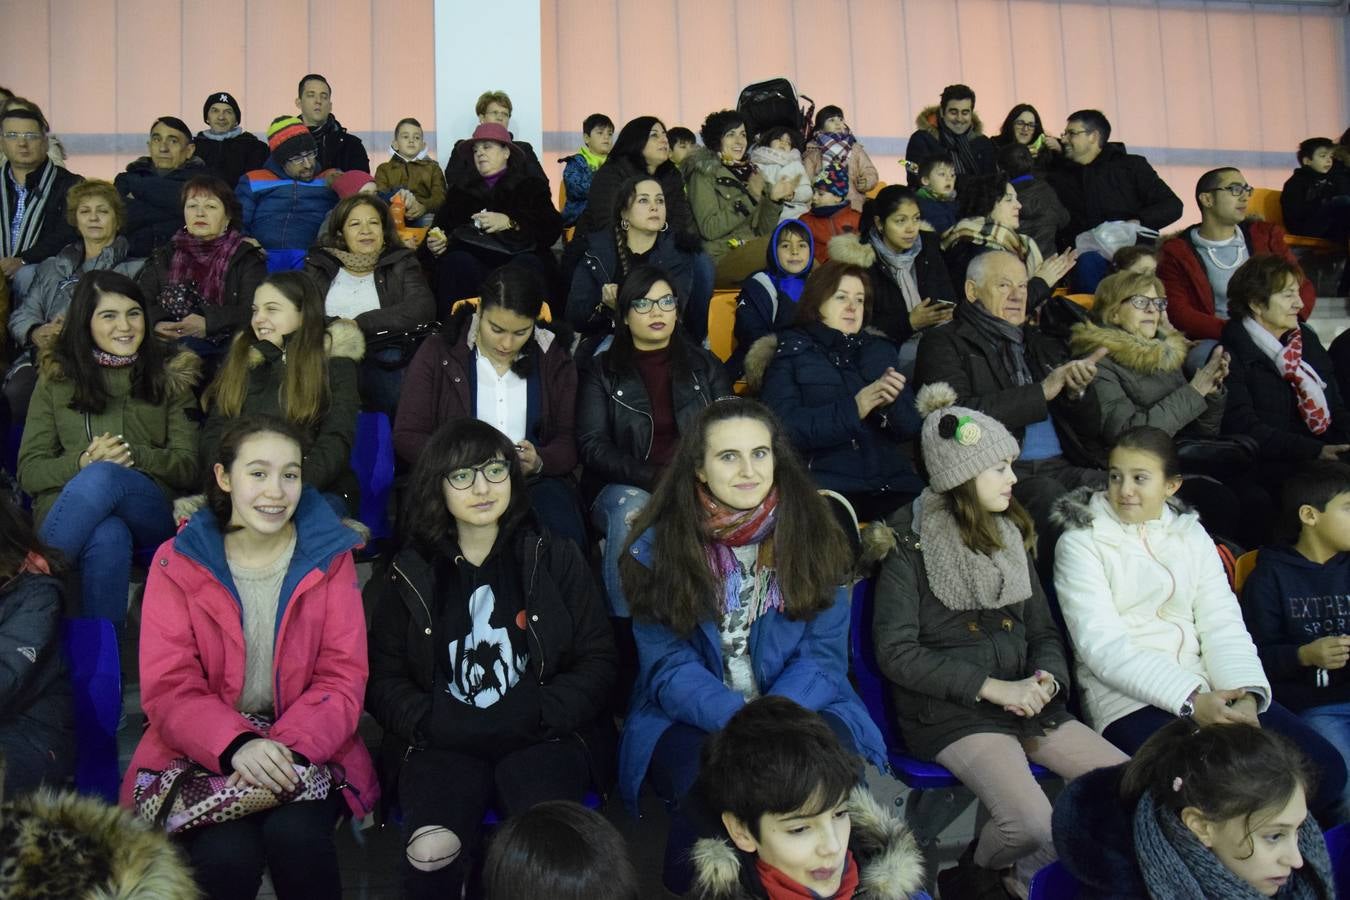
pixel 1187 707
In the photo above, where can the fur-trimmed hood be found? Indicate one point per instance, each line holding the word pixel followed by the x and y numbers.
pixel 181 373
pixel 701 159
pixel 1082 507
pixel 1147 356
pixel 852 249
pixel 344 341
pixel 927 120
pixel 69 846
pixel 890 866
pixel 757 360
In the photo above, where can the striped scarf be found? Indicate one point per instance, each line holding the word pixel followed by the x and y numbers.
pixel 23 217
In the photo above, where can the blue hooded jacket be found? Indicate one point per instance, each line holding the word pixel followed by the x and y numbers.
pixel 768 300
pixel 282 213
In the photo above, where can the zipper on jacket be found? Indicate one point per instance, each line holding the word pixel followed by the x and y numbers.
pixel 529 619
pixel 1143 539
pixel 410 584
pixel 651 434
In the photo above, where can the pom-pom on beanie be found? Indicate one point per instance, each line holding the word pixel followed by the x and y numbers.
pixel 958 442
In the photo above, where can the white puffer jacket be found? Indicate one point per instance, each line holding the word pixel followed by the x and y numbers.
pixel 775 164
pixel 1149 610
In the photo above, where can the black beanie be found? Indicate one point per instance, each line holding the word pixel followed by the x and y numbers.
pixel 222 97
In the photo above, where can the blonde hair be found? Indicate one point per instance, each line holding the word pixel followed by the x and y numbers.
pixel 96 189
pixel 1117 288
pixel 489 97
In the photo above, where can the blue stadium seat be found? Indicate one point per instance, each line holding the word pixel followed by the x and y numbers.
pixel 285 260
pixel 1053 882
pixel 373 462
pixel 1338 846
pixel 96 682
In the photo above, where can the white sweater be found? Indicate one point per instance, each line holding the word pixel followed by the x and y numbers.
pixel 775 164
pixel 1149 610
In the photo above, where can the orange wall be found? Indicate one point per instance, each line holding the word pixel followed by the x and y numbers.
pixel 103 69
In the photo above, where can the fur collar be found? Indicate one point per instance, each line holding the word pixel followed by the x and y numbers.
pixel 890 866
pixel 927 121
pixel 181 372
pixel 1156 356
pixel 852 249
pixel 58 843
pixel 1079 508
pixel 345 341
pixel 757 360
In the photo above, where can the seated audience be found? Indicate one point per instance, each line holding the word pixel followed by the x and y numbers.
pixel 492 107
pixel 253 664
pixel 636 400
pixel 338 149
pixel 830 215
pixel 412 174
pixel 227 149
pixel 290 365
pixel 1316 198
pixel 34 221
pixel 495 362
pixel 200 285
pixel 1022 127
pixel 561 850
pixel 778 154
pixel 108 441
pixel 1042 213
pixel 682 142
pixel 936 192
pixel 797 819
pixel 1156 630
pixel 1214 811
pixel 1282 389
pixel 1098 181
pixel 37 723
pixel 285 201
pixel 913 290
pixel 768 298
pixel 720 618
pixel 152 186
pixel 1196 265
pixel 836 390
pixel 834 153
pixel 953 129
pixel 1294 607
pixel 367 275
pixel 735 207
pixel 640 235
pixel 976 664
pixel 96 210
pixel 497 212
pixel 597 136
pixel 641 148
pixel 480 709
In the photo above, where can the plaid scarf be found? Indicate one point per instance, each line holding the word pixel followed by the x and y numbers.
pixel 730 528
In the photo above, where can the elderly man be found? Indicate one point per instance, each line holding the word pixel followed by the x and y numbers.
pixel 338 149
pixel 285 202
pixel 33 223
pixel 999 365
pixel 953 131
pixel 152 186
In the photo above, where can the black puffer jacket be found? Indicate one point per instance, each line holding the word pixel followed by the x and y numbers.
pixel 154 201
pixel 571 647
pixel 34 687
pixel 405 299
pixel 1115 186
pixel 614 420
pixel 231 158
pixel 246 270
pixel 338 148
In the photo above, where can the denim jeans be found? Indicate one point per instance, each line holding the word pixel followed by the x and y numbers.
pixel 613 512
pixel 1332 722
pixel 103 514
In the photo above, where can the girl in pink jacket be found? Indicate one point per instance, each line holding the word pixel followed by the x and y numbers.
pixel 254 608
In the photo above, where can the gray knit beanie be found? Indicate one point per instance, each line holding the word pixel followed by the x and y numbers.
pixel 958 443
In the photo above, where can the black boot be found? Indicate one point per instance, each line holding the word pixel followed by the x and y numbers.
pixel 967 881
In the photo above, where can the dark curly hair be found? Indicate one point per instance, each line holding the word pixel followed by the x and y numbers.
pixel 717 125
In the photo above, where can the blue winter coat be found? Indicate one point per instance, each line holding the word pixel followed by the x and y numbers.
pixel 767 303
pixel 680 679
pixel 811 382
pixel 282 213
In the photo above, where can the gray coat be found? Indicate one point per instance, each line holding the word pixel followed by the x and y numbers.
pixel 1140 382
pixel 54 283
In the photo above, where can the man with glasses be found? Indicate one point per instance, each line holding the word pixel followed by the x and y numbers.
pixel 33 188
pixel 1195 266
pixel 286 201
pixel 1098 181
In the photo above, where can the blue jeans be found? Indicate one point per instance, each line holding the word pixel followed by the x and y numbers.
pixel 1332 722
pixel 104 513
pixel 700 293
pixel 613 512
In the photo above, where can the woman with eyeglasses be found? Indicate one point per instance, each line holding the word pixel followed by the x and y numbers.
pixel 1023 126
pixel 636 398
pixel 491 662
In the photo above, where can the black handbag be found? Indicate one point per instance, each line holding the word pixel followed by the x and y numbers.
pixel 505 243
pixel 406 342
pixel 1221 457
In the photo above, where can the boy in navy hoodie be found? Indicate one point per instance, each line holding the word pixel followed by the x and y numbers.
pixel 1297 603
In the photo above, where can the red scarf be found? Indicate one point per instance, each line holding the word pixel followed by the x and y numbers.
pixel 729 528
pixel 779 887
pixel 1312 402
pixel 203 262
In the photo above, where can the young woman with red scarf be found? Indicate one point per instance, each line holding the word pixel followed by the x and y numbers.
pixel 720 618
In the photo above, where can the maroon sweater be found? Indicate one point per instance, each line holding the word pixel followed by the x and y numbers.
pixel 654 368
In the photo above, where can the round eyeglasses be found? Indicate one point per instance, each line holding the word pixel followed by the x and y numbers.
pixel 495 471
pixel 1141 303
pixel 645 304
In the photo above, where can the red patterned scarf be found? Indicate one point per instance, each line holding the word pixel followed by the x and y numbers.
pixel 730 528
pixel 779 887
pixel 203 262
pixel 1307 384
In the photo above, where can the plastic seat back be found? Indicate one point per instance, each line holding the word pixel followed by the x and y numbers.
pixel 285 260
pixel 373 462
pixel 722 323
pixel 96 684
pixel 1053 882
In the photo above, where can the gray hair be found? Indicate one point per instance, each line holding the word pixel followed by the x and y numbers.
pixel 978 269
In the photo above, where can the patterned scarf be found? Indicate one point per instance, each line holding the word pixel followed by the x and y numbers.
pixel 730 528
pixel 203 261
pixel 959 147
pixel 30 208
pixel 113 361
pixel 958 576
pixel 779 887
pixel 1307 384
pixel 987 233
pixel 835 148
pixel 357 263
pixel 742 168
pixel 1176 866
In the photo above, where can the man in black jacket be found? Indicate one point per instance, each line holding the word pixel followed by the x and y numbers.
pixel 954 132
pixel 337 148
pixel 227 149
pixel 152 186
pixel 33 190
pixel 1098 181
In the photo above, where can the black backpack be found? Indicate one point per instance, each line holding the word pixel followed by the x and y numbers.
pixel 773 102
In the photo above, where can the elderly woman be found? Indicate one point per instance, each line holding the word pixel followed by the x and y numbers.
pixel 95 209
pixel 735 209
pixel 201 283
pixel 366 274
pixel 1023 126
pixel 497 213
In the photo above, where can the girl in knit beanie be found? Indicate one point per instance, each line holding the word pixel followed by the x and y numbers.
pixel 977 666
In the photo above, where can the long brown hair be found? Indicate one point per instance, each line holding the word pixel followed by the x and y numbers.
pixel 679 589
pixel 304 387
pixel 979 526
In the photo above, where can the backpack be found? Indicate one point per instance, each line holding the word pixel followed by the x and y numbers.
pixel 766 104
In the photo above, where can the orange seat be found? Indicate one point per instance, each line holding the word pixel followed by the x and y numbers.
pixel 545 314
pixel 722 323
pixel 876 190
pixel 1083 300
pixel 1266 204
pixel 1242 568
pixel 562 202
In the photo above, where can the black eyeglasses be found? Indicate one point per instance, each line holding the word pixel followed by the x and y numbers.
pixel 1071 133
pixel 645 304
pixel 22 135
pixel 1235 190
pixel 1141 303
pixel 494 470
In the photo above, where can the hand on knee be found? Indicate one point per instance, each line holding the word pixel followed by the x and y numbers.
pixel 433 847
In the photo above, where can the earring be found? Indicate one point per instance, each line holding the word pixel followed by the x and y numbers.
pixel 623 223
pixel 665 226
